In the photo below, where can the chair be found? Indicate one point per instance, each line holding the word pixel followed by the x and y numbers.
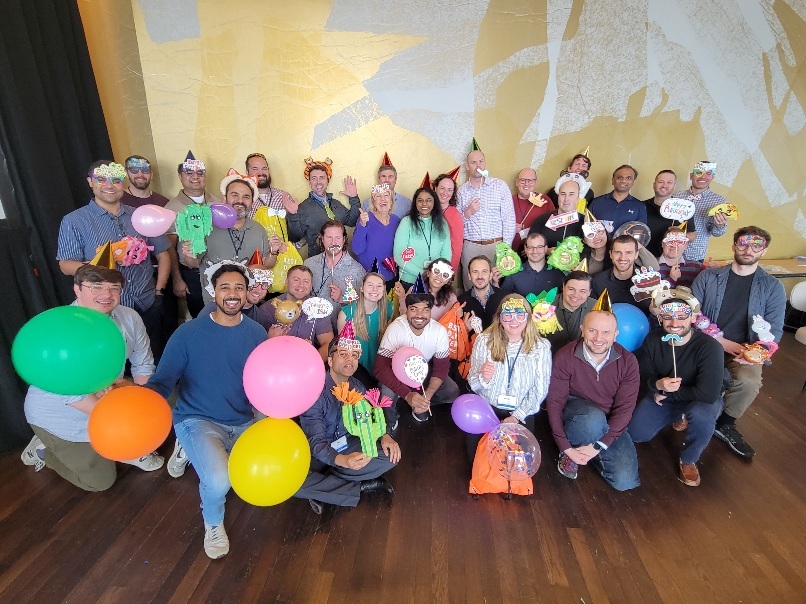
pixel 797 298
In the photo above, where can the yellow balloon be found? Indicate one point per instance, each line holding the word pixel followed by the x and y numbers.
pixel 269 461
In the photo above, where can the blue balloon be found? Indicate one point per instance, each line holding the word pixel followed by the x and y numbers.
pixel 633 326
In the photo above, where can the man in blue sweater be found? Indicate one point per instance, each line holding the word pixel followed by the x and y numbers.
pixel 206 358
pixel 731 297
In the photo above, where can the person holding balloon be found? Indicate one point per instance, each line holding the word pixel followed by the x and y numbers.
pixel 348 458
pixel 60 421
pixel 206 358
pixel 510 366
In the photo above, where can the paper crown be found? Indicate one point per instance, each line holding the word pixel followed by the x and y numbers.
pixel 603 303
pixel 191 163
pixel 426 184
pixel 104 257
pixel 110 170
pixel 474 146
pixel 257 258
pixel 565 176
pixel 419 286
pixel 232 175
pixel 386 161
pixel 347 337
pixel 664 294
pixel 327 164
pixel 454 174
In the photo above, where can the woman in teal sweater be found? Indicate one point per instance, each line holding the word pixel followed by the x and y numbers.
pixel 425 230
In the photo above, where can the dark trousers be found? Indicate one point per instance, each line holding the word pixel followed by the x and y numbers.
pixel 194 298
pixel 153 320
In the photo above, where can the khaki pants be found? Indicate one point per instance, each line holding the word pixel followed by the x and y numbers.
pixel 745 387
pixel 77 463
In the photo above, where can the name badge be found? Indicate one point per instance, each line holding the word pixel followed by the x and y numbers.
pixel 340 444
pixel 507 402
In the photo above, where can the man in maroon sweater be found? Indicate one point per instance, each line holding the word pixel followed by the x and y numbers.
pixel 592 395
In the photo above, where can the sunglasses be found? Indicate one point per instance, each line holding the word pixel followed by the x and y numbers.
pixel 136 170
pixel 445 275
pixel 517 316
pixel 104 179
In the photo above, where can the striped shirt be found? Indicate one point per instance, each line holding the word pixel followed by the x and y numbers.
pixel 705 225
pixel 496 216
pixel 84 230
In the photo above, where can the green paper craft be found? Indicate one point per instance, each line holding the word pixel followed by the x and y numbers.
pixel 366 422
pixel 193 224
pixel 507 261
pixel 566 255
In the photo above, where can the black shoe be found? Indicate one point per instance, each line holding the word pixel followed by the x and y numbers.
pixel 735 441
pixel 377 485
pixel 420 417
pixel 317 507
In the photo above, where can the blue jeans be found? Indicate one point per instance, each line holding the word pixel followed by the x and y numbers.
pixel 584 424
pixel 650 418
pixel 207 445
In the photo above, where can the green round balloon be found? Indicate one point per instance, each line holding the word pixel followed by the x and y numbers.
pixel 69 350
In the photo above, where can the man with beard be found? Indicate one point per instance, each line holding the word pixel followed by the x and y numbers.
pixel 732 296
pixel 268 196
pixel 186 282
pixel 239 242
pixel 336 275
pixel 681 374
pixel 592 394
pixel 139 193
pixel 618 280
pixel 618 206
pixel 340 470
pixel 212 410
pixel 663 186
pixel 482 299
pixel 704 200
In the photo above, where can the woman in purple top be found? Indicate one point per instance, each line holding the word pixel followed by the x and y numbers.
pixel 374 234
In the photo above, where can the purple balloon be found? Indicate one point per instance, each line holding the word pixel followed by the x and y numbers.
pixel 473 414
pixel 224 216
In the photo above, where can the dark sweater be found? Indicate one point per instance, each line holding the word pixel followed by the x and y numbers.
pixel 614 389
pixel 617 289
pixel 699 363
pixel 485 313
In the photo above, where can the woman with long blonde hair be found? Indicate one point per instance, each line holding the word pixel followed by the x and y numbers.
pixel 510 365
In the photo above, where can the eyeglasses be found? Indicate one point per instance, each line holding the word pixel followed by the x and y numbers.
pixel 529 248
pixel 527 181
pixel 675 242
pixel 681 316
pixel 97 288
pixel 196 172
pixel 104 179
pixel 135 170
pixel 442 274
pixel 517 316
pixel 349 354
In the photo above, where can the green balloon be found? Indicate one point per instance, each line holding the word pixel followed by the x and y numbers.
pixel 69 350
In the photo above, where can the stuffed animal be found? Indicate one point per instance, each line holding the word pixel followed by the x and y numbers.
pixel 286 311
pixel 704 324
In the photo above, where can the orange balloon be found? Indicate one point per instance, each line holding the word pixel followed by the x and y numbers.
pixel 129 423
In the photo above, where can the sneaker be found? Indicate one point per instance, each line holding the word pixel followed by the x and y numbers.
pixel 680 425
pixel 29 456
pixel 148 463
pixel 216 542
pixel 689 474
pixel 735 441
pixel 178 461
pixel 567 467
pixel 420 417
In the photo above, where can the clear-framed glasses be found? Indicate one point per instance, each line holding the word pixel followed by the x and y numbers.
pixel 444 275
pixel 755 243
pixel 97 288
pixel 514 316
pixel 105 179
pixel 349 354
pixel 527 181
pixel 530 248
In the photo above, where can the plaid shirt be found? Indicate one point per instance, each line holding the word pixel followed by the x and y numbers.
pixel 273 199
pixel 706 225
pixel 496 216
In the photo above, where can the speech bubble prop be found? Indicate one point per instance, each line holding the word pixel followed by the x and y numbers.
pixel 317 308
pixel 677 209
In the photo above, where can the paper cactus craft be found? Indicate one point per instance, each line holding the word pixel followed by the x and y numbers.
pixel 507 261
pixel 543 311
pixel 193 224
pixel 566 255
pixel 363 415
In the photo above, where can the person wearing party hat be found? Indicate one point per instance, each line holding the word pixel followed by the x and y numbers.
pixel 704 199
pixel 61 439
pixel 416 328
pixel 672 262
pixel 592 395
pixel 85 231
pixel 387 174
pixel 348 458
pixel 682 374
pixel 580 164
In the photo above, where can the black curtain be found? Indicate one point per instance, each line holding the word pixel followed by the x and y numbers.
pixel 51 128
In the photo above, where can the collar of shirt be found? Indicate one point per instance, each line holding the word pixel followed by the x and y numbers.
pixel 592 362
pixel 486 298
pixel 96 209
pixel 319 199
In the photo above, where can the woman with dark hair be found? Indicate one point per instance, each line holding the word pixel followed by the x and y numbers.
pixel 425 231
pixel 445 188
pixel 438 279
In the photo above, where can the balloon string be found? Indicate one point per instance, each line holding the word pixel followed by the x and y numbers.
pixel 422 388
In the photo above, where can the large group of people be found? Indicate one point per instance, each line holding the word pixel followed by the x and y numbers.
pixel 409 268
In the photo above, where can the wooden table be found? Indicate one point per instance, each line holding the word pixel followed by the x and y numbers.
pixel 786 268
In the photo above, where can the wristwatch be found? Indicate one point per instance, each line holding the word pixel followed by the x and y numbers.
pixel 597 445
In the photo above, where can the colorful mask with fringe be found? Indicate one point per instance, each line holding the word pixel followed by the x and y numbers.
pixel 566 255
pixel 544 311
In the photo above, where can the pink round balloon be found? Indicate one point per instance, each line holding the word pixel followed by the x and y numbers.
pixel 284 376
pixel 224 216
pixel 399 362
pixel 152 221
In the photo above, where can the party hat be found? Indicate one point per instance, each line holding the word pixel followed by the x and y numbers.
pixel 191 163
pixel 257 258
pixel 683 226
pixel 347 337
pixel 374 267
pixel 426 184
pixel 104 256
pixel 475 146
pixel 603 303
pixel 419 286
pixel 350 295
pixel 386 161
pixel 454 174
pixel 390 264
pixel 586 151
pixel 582 266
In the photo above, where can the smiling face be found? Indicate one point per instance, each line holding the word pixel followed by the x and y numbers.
pixel 230 292
pixel 418 315
pixel 568 197
pixel 623 256
pixel 106 190
pixel 424 203
pixel 580 164
pixel 382 201
pixel 445 190
pixel 535 247
pixel 318 181
pixel 298 284
pixel 676 317
pixel 664 185
pixel 623 180
pixel 575 292
pixel 673 248
pixel 526 182
pixel 193 181
pixel 257 166
pixel 373 288
pixel 139 174
pixel 239 196
pixel 701 179
pixel 103 297
pixel 599 332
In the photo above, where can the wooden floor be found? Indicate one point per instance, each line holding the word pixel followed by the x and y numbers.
pixel 739 537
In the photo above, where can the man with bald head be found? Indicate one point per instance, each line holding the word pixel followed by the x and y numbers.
pixel 485 204
pixel 525 210
pixel 592 395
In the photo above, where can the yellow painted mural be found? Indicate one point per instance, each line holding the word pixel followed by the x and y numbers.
pixel 652 83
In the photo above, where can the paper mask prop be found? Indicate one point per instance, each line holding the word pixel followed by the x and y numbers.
pixel 361 417
pixel 350 294
pixel 591 226
pixel 192 164
pixel 135 162
pixel 565 176
pixel 104 256
pixel 110 171
pixel 701 167
pixel 214 266
pixel 676 235
pixel 317 308
pixel 566 255
pixel 543 311
pixel 136 251
pixel 507 261
pixel 193 224
pixel 347 339
pixel 728 209
pixel 263 275
pixel 753 241
pixel 285 311
pixel 416 368
pixel 681 294
pixel 646 280
pixel 704 324
pixel 381 188
pixel 561 220
pixel 677 209
pixel 603 302
pixel 310 163
pixel 637 230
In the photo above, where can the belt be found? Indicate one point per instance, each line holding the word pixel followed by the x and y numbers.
pixel 487 241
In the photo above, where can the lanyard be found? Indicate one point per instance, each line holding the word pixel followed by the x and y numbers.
pixel 511 366
pixel 428 240
pixel 235 235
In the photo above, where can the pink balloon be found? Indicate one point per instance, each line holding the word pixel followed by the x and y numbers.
pixel 284 376
pixel 399 361
pixel 224 216
pixel 152 221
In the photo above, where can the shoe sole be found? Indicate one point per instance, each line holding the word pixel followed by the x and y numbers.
pixel 688 483
pixel 177 474
pixel 732 447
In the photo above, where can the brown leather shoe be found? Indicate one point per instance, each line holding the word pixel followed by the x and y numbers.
pixel 681 424
pixel 689 474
